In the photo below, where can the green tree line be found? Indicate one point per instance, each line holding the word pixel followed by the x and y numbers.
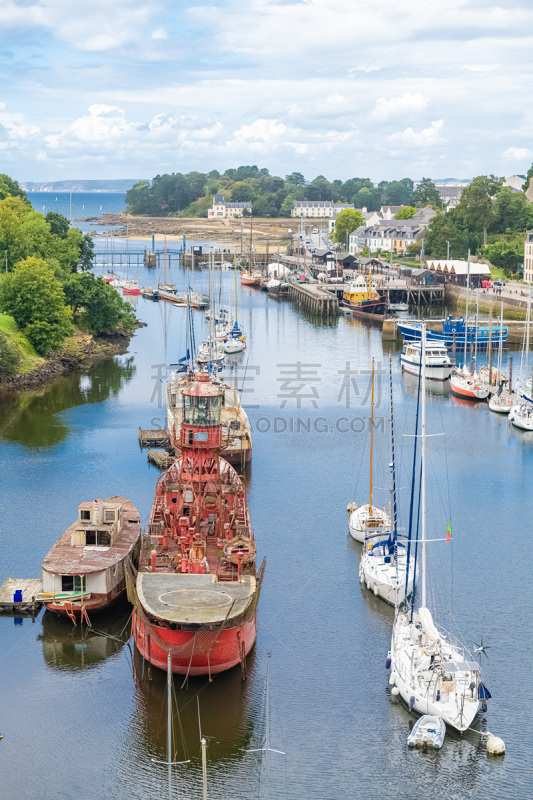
pixel 45 285
pixel 192 194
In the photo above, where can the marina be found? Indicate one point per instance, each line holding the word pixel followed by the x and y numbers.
pixel 106 413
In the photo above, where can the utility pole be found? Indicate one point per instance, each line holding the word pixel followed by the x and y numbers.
pixel 447 250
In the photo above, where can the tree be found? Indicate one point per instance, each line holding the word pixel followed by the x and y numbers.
pixel 295 177
pixel 347 221
pixel 529 175
pixel 397 193
pixel 506 252
pixel 59 225
pixel 10 188
pixel 242 193
pixel 406 212
pixel 450 227
pixel 477 202
pixel 513 211
pixel 426 194
pixel 34 297
pixel 98 306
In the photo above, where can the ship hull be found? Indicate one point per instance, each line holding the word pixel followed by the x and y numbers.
pixel 228 649
pixel 94 604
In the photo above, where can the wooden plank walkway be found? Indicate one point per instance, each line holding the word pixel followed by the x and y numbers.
pixel 314 297
pixel 30 587
pixel 153 438
pixel 160 458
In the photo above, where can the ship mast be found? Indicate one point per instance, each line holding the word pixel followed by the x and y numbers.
pixel 423 455
pixel 371 439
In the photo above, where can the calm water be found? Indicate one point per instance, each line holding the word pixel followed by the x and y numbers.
pixel 80 717
pixel 79 205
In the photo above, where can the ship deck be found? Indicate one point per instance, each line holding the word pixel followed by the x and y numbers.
pixel 67 559
pixel 193 599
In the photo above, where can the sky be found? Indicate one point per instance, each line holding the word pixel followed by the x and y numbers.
pixel 383 89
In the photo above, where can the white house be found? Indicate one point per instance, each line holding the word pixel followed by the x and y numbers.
pixel 318 208
pixel 386 236
pixel 449 195
pixel 515 182
pixel 223 210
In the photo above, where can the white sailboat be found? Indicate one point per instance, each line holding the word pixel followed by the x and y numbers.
pixel 431 672
pixel 235 341
pixel 521 413
pixel 384 558
pixel 210 351
pixel 368 518
pixel 501 400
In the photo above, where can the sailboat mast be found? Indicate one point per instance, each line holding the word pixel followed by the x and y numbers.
pixel 423 454
pixel 251 248
pixel 267 728
pixel 371 437
pixel 204 768
pixel 169 724
pixel 165 262
pixel 235 271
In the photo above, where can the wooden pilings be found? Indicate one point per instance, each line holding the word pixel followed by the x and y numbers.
pixel 314 298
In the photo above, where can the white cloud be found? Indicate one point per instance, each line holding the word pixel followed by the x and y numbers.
pixel 517 154
pixel 160 33
pixel 104 125
pixel 480 67
pixel 424 138
pixel 262 130
pixel 399 106
pixel 16 126
pixel 335 98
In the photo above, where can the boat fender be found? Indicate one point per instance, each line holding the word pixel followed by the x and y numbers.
pixel 388 662
pixel 375 590
pixel 395 691
pixel 495 745
pixel 411 702
pixel 392 678
pixel 437 698
pixel 153 555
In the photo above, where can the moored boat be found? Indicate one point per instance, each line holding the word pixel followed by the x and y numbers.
pixel 84 570
pixel 196 591
pixel 456 331
pixel 131 287
pixel 438 364
pixel 428 731
pixel 251 278
pixel 469 385
pixel 362 297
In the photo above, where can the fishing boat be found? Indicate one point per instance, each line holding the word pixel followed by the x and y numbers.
pixel 438 363
pixel 84 570
pixel 251 279
pixel 130 286
pixel 362 297
pixel 383 566
pixel 455 330
pixel 430 671
pixel 428 731
pixel 197 589
pixel 368 519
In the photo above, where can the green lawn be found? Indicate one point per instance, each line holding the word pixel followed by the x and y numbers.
pixel 28 357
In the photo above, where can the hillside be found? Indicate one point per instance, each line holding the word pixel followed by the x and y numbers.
pixel 28 358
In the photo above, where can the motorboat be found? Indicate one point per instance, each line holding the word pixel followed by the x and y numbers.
pixel 438 363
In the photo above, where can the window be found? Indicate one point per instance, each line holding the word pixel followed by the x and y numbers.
pixel 73 583
pixel 109 516
pixel 97 539
pixel 85 514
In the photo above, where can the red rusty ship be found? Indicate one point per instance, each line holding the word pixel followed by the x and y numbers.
pixel 196 591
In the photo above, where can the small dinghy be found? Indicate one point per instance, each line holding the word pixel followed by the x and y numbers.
pixel 428 731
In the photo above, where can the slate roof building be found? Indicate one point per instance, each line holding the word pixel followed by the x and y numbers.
pixel 222 210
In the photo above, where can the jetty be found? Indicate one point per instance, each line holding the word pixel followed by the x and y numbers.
pixel 161 459
pixel 153 438
pixel 25 588
pixel 170 297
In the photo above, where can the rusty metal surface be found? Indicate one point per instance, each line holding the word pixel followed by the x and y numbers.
pixel 66 559
pixel 193 599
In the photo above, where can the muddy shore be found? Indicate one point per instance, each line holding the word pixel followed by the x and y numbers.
pixel 77 354
pixel 224 231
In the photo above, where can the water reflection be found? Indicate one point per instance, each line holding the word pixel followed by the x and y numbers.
pixel 74 648
pixel 33 418
pixel 435 390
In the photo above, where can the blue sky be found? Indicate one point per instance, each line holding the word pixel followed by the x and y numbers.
pixel 381 88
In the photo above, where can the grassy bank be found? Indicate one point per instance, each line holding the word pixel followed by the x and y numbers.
pixel 28 358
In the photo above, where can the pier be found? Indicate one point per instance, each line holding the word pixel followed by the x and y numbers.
pixel 160 458
pixel 315 297
pixel 153 438
pixel 30 588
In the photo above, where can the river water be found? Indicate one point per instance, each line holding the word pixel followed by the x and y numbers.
pixel 81 717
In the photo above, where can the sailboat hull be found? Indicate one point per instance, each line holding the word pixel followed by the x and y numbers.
pixel 382 580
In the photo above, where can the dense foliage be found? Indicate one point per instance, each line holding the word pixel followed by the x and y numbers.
pixel 272 196
pixel 346 222
pixel 35 299
pixel 96 306
pixel 9 356
pixel 26 233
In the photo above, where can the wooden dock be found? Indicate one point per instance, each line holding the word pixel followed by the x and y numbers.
pixel 153 438
pixel 160 458
pixel 315 297
pixel 30 588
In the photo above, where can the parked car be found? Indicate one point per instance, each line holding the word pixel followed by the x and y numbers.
pixel 499 283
